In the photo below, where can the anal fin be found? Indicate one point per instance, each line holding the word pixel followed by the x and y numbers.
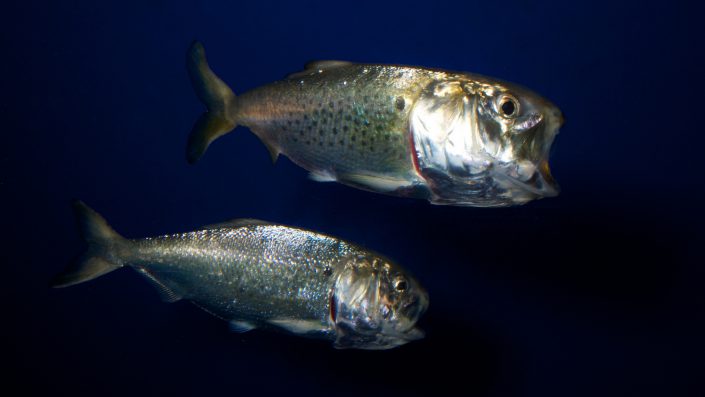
pixel 273 151
pixel 165 293
pixel 241 326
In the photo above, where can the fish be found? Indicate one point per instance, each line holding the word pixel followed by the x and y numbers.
pixel 448 137
pixel 256 274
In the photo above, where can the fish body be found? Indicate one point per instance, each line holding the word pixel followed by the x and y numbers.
pixel 259 275
pixel 451 138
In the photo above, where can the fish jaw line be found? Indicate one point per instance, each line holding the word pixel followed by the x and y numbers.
pixel 454 156
pixel 364 317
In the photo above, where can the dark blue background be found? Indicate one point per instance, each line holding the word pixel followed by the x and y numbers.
pixel 599 291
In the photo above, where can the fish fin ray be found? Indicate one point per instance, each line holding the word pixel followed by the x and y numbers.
pixel 378 183
pixel 326 64
pixel 241 326
pixel 235 223
pixel 165 293
pixel 318 66
pixel 87 268
pixel 220 118
pixel 322 176
pixel 273 151
pixel 100 257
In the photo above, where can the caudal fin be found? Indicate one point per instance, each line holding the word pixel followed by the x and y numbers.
pixel 219 99
pixel 100 257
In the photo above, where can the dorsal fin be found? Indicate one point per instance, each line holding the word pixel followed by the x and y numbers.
pixel 235 223
pixel 325 64
pixel 318 66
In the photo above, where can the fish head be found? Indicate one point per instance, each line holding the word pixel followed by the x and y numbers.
pixel 375 305
pixel 484 143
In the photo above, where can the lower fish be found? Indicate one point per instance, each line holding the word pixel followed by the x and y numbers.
pixel 259 275
pixel 448 137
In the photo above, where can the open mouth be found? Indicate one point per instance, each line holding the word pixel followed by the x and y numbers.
pixel 540 184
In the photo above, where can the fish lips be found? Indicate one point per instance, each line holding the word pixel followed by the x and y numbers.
pixel 540 182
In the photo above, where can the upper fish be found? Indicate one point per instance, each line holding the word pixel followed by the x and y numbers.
pixel 259 275
pixel 451 138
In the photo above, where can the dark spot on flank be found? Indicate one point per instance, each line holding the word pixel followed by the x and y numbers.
pixel 400 103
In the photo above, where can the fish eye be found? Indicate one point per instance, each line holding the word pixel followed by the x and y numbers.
pixel 508 106
pixel 400 285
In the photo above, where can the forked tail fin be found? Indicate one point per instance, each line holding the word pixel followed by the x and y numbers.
pixel 101 257
pixel 219 119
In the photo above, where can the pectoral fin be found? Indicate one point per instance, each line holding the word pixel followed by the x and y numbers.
pixel 298 327
pixel 378 183
pixel 322 176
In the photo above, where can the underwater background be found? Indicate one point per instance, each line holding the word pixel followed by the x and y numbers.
pixel 599 291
